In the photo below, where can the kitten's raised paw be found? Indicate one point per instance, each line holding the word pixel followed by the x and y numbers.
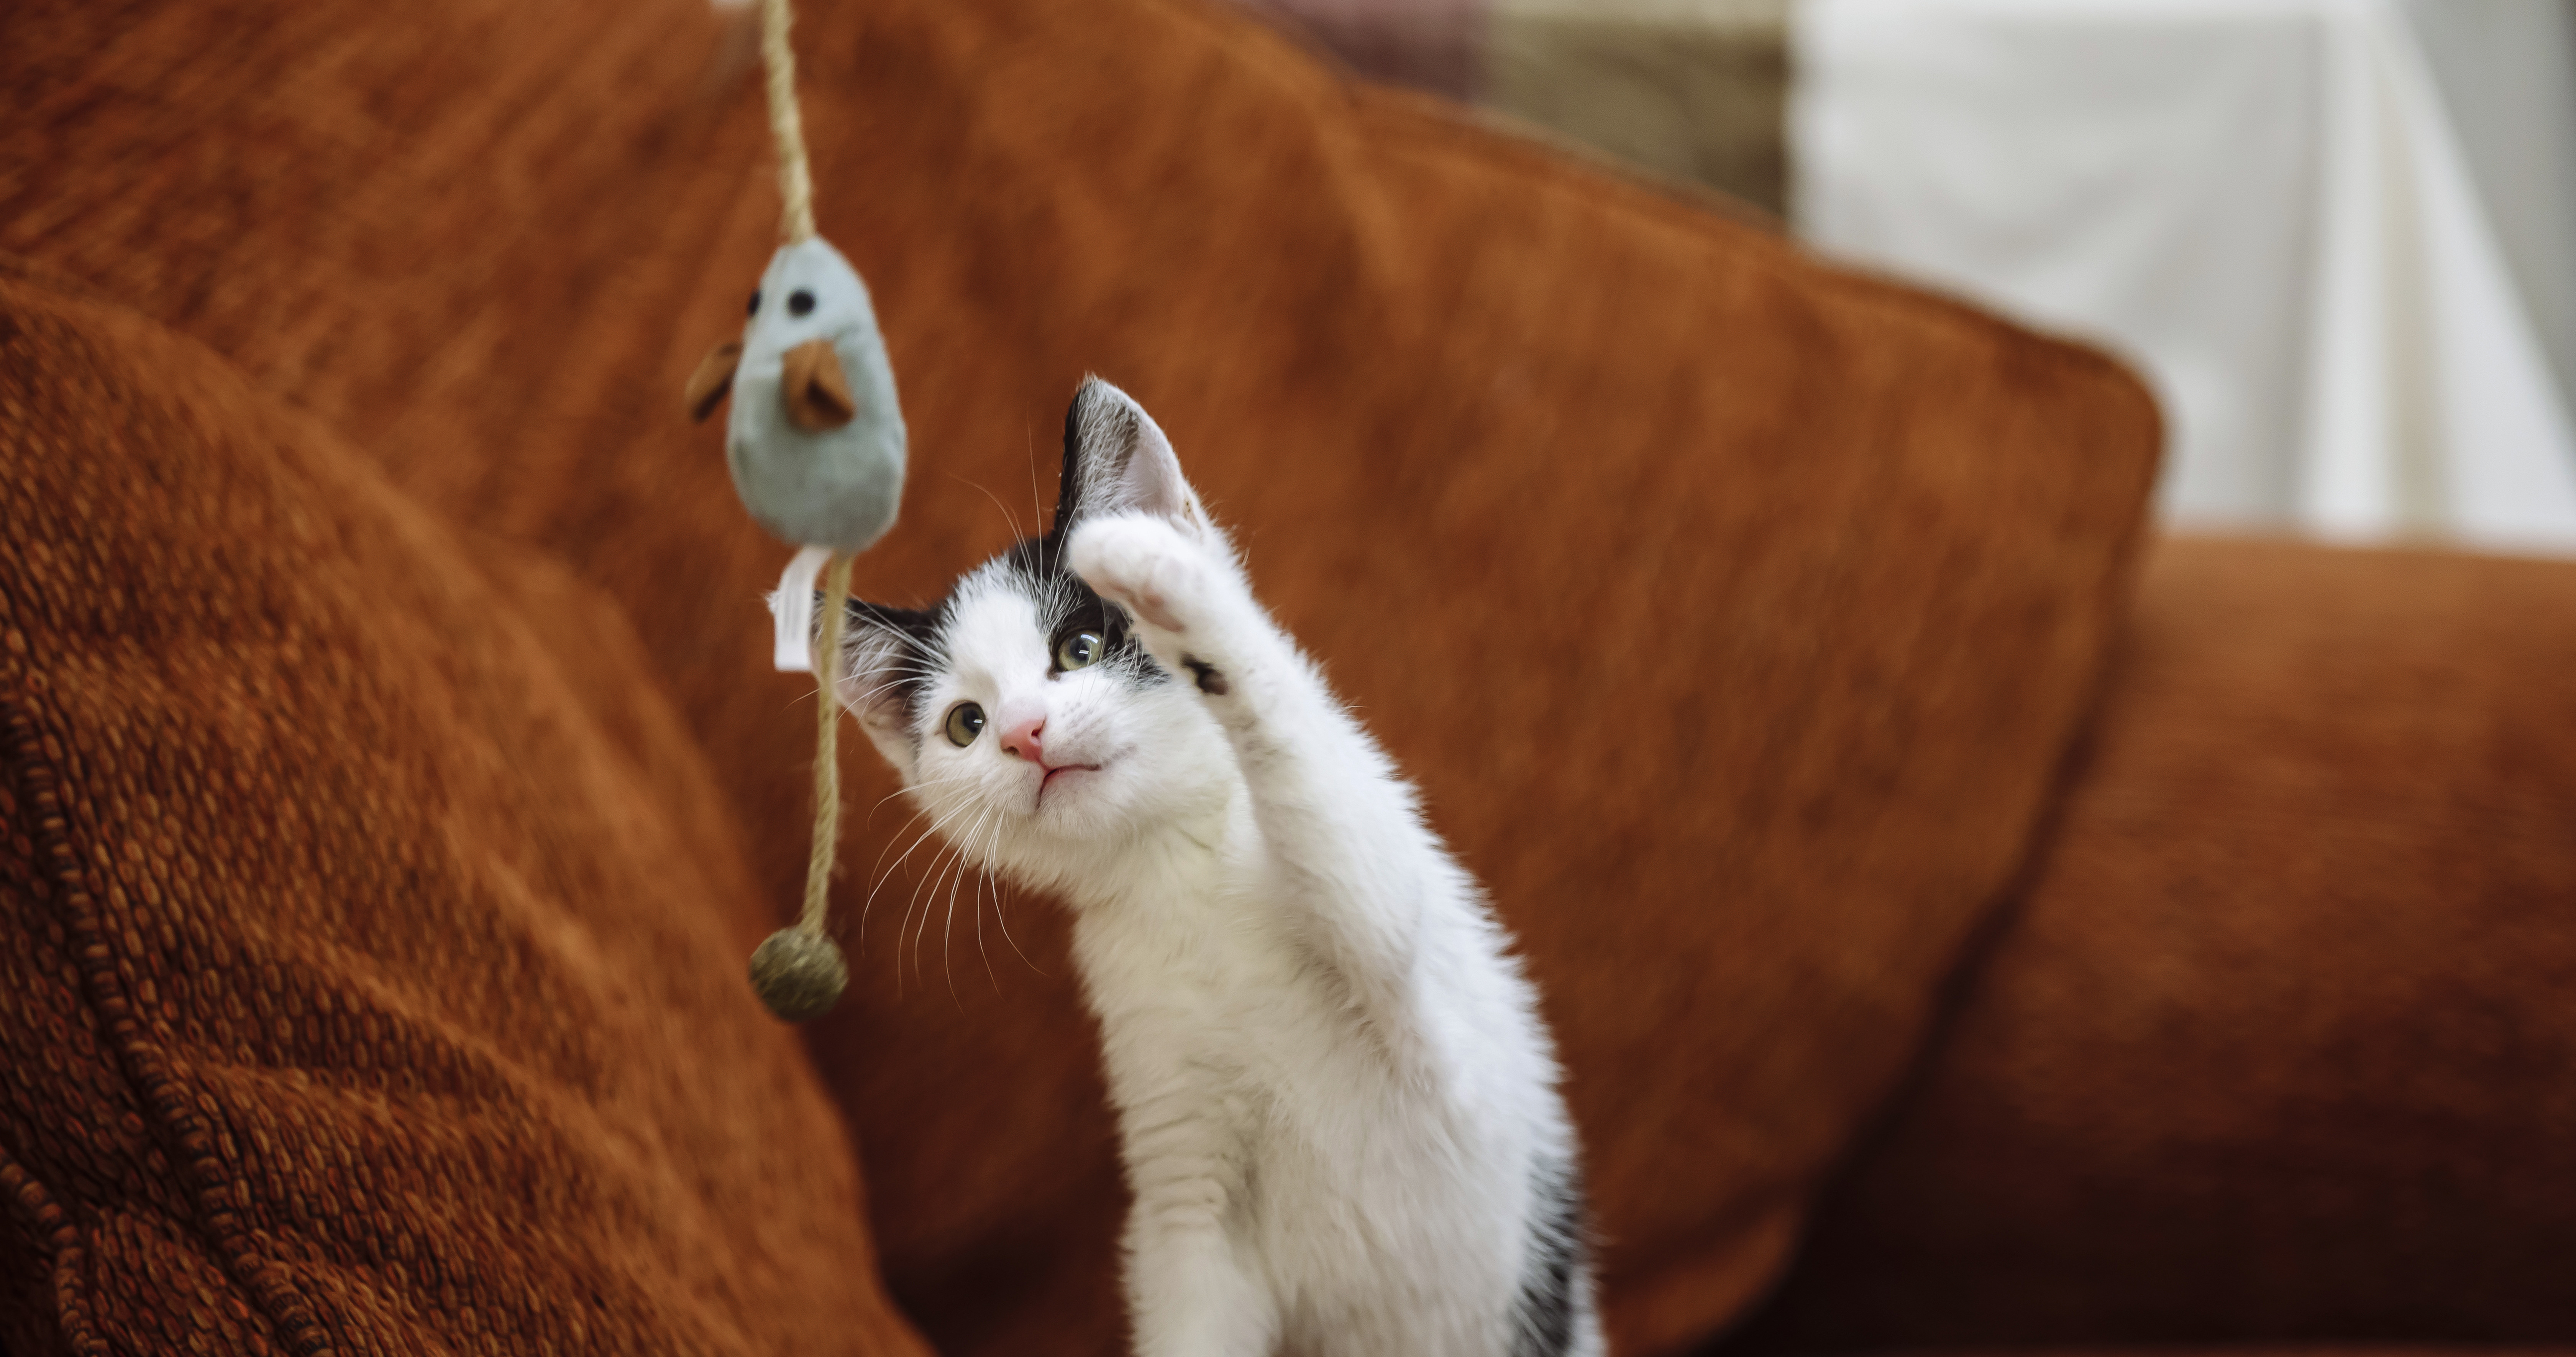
pixel 1143 565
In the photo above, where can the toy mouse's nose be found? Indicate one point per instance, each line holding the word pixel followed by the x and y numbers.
pixel 815 390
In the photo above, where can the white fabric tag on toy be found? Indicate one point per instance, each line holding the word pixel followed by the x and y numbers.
pixel 792 609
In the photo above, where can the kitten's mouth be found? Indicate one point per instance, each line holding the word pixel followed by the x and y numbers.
pixel 1053 773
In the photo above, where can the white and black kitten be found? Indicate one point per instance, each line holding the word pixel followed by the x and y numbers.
pixel 1336 1101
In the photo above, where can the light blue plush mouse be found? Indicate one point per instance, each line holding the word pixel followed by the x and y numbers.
pixel 816 439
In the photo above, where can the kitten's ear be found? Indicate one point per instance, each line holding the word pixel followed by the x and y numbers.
pixel 884 661
pixel 1116 460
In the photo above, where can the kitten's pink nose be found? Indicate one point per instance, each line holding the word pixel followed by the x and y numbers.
pixel 1020 739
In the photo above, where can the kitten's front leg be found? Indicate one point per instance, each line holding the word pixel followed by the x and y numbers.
pixel 1341 826
pixel 1188 1296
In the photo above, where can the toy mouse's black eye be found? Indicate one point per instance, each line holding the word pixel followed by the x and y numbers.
pixel 755 301
pixel 799 302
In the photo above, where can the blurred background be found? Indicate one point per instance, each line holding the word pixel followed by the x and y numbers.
pixel 1971 924
pixel 2337 236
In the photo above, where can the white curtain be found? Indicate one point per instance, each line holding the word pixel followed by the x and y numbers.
pixel 2259 202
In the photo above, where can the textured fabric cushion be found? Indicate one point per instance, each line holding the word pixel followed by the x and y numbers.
pixel 1732 613
pixel 370 942
pixel 2279 1045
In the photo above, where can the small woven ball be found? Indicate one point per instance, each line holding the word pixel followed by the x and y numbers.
pixel 800 975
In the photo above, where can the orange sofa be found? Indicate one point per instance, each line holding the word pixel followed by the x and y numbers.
pixel 1966 921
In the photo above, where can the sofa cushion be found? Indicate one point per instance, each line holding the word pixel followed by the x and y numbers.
pixel 370 941
pixel 1733 613
pixel 2279 1043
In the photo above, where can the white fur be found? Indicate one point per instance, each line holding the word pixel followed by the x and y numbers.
pixel 1335 1096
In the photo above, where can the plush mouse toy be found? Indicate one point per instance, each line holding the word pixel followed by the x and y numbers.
pixel 816 446
pixel 815 440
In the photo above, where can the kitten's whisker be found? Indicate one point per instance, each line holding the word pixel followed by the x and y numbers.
pixel 918 840
pixel 877 868
pixel 947 928
pixel 1004 919
pixel 957 880
pixel 899 791
pixel 871 816
pixel 929 783
pixel 989 830
pixel 903 925
pixel 984 878
pixel 931 880
pixel 1007 518
pixel 876 690
pixel 947 857
pixel 969 847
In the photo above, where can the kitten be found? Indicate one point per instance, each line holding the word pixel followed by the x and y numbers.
pixel 1336 1101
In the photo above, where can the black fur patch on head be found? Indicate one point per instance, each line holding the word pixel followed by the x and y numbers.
pixel 1556 1260
pixel 1039 563
pixel 914 635
pixel 1067 606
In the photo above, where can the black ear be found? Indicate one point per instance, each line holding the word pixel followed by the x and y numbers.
pixel 885 660
pixel 1116 460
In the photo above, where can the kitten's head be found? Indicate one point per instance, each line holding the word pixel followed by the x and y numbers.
pixel 1022 716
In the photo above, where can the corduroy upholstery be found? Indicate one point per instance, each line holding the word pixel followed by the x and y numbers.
pixel 369 941
pixel 1734 614
pixel 2277 1047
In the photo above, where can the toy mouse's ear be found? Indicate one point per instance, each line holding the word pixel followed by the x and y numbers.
pixel 713 378
pixel 1116 460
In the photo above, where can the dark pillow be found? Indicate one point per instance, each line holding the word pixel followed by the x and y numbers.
pixel 370 941
pixel 1732 612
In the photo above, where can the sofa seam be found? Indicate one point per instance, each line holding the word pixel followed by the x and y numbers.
pixel 181 1129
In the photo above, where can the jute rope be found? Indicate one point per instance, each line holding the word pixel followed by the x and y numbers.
pixel 827 744
pixel 786 125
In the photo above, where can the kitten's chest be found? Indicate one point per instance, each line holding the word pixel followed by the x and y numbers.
pixel 1216 1002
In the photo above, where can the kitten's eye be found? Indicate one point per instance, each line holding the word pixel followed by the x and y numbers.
pixel 799 302
pixel 755 301
pixel 1079 651
pixel 965 722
